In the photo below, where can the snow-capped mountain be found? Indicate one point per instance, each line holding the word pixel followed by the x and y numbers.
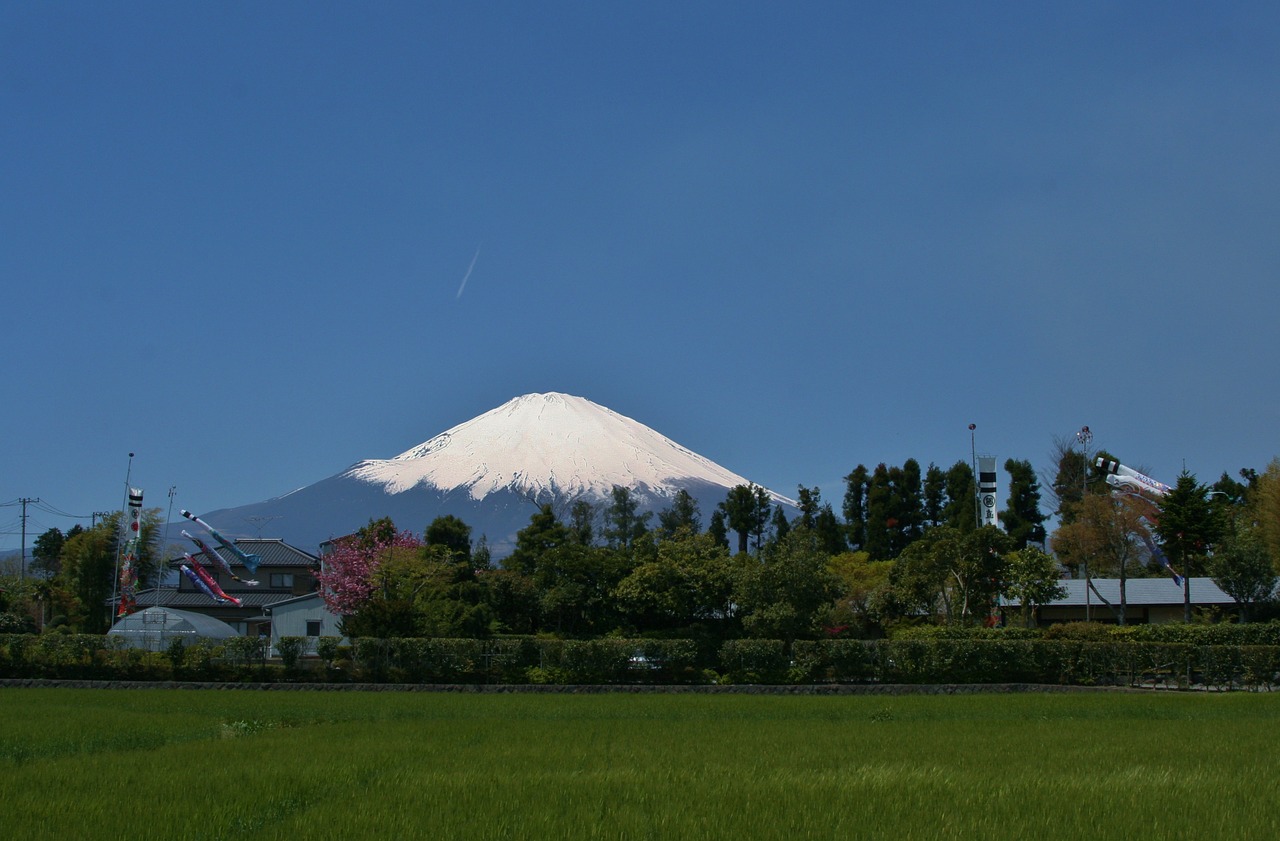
pixel 493 471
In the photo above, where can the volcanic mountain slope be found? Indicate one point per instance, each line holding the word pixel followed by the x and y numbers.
pixel 492 472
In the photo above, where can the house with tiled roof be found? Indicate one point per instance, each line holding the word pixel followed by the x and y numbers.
pixel 283 572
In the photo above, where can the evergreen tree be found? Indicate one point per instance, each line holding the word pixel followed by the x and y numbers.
pixel 46 553
pixel 961 511
pixel 453 534
pixel 744 513
pixel 810 502
pixel 879 521
pixel 582 516
pixel 781 528
pixel 1022 519
pixel 855 506
pixel 717 529
pixel 623 522
pixel 829 532
pixel 1188 527
pixel 681 515
pixel 908 503
pixel 935 495
pixel 544 533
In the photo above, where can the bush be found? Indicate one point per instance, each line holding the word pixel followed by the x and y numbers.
pixel 291 650
pixel 754 661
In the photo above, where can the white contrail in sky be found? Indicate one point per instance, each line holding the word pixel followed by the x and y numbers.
pixel 468 274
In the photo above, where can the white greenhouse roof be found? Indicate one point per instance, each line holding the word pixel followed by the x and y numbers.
pixel 148 628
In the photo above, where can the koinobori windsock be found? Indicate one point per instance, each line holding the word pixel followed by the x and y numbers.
pixel 218 561
pixel 204 582
pixel 250 561
pixel 129 555
pixel 1143 490
pixel 1126 478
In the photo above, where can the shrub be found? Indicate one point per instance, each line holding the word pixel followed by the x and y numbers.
pixel 290 650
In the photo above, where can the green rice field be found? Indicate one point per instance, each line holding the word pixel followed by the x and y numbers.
pixel 195 764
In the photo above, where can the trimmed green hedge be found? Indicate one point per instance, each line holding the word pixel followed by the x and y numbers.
pixel 1084 658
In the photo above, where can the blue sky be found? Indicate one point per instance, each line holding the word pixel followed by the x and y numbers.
pixel 792 237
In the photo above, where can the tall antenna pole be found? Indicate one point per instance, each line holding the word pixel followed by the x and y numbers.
pixel 164 541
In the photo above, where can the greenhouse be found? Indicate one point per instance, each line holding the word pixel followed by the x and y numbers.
pixel 155 628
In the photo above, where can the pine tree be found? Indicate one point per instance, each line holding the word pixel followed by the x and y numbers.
pixel 1022 519
pixel 1188 527
pixel 855 507
pixel 683 514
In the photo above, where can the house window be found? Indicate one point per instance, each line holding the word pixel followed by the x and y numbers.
pixel 313 627
pixel 280 580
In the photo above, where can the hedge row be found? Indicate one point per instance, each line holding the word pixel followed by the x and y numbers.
pixel 1255 633
pixel 1113 662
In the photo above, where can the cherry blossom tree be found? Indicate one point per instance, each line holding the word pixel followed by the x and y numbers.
pixel 349 573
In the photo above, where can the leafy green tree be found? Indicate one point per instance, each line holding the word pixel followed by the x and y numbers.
pixel 1022 519
pixel 513 600
pixel 688 582
pixel 544 533
pixel 1032 581
pixel 859 579
pixel 950 571
pixel 1108 535
pixel 1242 567
pixel 89 562
pixel 448 600
pixel 46 553
pixel 452 533
pixel 575 586
pixel 1188 528
pixel 787 593
pixel 1265 506
pixel 681 515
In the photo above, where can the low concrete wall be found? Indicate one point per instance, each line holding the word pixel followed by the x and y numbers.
pixel 634 689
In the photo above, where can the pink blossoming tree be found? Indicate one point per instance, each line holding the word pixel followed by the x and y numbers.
pixel 349 573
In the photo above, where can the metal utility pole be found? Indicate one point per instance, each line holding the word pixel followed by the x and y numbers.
pixel 973 457
pixel 1085 436
pixel 26 500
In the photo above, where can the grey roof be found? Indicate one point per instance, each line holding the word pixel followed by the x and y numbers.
pixel 293 599
pixel 273 552
pixel 1138 592
pixel 169 597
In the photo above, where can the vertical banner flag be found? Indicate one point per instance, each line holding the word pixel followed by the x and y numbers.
pixel 987 490
pixel 129 556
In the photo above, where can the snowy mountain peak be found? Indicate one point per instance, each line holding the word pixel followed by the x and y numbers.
pixel 552 443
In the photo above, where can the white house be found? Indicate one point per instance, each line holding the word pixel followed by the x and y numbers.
pixel 302 616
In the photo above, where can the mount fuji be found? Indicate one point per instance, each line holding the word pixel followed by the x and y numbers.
pixel 493 472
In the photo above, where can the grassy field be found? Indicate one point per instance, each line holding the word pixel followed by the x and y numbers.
pixel 177 764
